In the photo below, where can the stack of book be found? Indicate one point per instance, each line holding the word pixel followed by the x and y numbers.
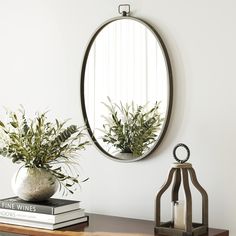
pixel 51 214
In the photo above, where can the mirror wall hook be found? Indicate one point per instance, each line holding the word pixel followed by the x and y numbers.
pixel 124 9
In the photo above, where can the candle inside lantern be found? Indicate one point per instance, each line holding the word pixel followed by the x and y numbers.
pixel 179 215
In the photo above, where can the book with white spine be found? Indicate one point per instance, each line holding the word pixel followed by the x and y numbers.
pixel 39 217
pixel 43 225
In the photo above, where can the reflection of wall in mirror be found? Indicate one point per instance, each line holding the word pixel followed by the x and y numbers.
pixel 127 64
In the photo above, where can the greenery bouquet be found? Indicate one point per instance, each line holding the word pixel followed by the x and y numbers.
pixel 41 144
pixel 131 128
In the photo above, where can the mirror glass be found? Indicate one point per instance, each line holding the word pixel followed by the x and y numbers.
pixel 126 89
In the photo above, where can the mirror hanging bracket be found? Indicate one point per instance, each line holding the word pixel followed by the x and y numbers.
pixel 124 9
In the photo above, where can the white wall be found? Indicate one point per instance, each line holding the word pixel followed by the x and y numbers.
pixel 41 50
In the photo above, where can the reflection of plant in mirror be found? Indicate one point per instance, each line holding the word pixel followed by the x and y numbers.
pixel 39 143
pixel 131 128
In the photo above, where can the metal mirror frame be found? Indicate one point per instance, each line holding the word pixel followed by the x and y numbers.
pixel 170 88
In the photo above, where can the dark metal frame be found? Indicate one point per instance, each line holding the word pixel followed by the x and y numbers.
pixel 164 49
pixel 175 155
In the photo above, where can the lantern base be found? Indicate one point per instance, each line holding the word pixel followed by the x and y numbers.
pixel 168 229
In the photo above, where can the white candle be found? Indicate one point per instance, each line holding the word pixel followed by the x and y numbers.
pixel 179 215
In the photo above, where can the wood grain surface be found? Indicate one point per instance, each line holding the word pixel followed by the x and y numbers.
pixel 100 225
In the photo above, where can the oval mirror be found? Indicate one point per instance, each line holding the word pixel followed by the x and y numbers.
pixel 126 89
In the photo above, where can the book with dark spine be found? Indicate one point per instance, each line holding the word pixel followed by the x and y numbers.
pixel 52 206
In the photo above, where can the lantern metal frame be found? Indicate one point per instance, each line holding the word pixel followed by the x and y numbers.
pixel 183 170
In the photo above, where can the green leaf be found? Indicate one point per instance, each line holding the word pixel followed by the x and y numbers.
pixel 14 124
pixel 85 180
pixel 69 185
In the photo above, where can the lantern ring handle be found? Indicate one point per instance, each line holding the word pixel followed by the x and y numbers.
pixel 187 149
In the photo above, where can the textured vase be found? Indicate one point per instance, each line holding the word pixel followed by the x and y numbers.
pixel 34 184
pixel 124 156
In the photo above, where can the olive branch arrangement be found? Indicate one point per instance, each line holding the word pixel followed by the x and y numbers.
pixel 38 143
pixel 131 128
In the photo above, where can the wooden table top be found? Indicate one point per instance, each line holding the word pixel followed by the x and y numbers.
pixel 100 225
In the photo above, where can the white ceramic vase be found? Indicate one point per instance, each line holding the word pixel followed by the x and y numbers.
pixel 34 184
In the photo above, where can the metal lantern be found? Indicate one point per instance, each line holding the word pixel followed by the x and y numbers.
pixel 181 223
